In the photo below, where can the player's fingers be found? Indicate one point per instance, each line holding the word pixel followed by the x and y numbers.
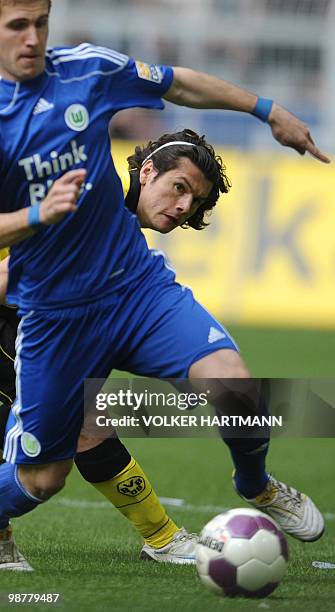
pixel 66 207
pixel 60 208
pixel 309 136
pixel 58 214
pixel 300 150
pixel 64 191
pixel 73 176
pixel 315 152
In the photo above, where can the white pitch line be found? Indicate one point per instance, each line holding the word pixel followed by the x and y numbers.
pixel 167 501
pixel 323 565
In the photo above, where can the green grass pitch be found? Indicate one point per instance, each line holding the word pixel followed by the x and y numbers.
pixel 81 548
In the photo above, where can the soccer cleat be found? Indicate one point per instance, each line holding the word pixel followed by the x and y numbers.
pixel 10 556
pixel 180 550
pixel 294 512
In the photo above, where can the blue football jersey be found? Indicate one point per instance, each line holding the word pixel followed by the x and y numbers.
pixel 55 123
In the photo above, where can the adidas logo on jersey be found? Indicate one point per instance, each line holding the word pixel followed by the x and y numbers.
pixel 42 106
pixel 215 334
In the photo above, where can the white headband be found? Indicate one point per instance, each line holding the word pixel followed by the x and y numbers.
pixel 169 144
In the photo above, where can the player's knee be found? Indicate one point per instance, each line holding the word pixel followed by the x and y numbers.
pixel 47 485
pixel 44 481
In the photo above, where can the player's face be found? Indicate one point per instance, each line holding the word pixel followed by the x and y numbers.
pixel 23 39
pixel 170 199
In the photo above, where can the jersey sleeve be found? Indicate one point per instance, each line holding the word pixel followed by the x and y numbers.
pixel 142 85
pixel 121 82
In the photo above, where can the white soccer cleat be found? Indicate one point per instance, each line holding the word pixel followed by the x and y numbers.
pixel 294 512
pixel 180 550
pixel 10 556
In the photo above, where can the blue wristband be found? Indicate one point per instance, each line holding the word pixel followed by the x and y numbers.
pixel 263 108
pixel 34 215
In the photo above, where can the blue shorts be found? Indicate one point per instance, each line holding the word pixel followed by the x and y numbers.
pixel 151 329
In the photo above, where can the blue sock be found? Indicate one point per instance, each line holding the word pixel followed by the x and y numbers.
pixel 248 452
pixel 14 499
pixel 249 460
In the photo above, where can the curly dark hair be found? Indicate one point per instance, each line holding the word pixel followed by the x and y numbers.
pixel 202 155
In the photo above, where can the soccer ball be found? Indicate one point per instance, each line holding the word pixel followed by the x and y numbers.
pixel 242 552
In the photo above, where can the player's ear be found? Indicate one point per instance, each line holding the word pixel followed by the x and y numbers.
pixel 146 170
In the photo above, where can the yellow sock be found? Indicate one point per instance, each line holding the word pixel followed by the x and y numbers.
pixel 131 493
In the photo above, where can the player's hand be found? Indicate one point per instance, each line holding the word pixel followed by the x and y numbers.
pixel 291 132
pixel 62 197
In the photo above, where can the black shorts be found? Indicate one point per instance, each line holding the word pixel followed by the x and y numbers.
pixel 8 331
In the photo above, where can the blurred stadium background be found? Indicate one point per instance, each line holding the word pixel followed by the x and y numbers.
pixel 282 48
pixel 269 256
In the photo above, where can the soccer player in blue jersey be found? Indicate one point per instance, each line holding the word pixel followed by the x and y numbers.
pixel 107 463
pixel 60 199
pixel 162 205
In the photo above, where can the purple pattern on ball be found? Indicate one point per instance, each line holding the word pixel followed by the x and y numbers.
pixel 222 572
pixel 283 545
pixel 242 526
pixel 266 524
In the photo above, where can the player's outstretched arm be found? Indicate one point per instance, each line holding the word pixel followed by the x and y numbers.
pixel 61 199
pixel 201 90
